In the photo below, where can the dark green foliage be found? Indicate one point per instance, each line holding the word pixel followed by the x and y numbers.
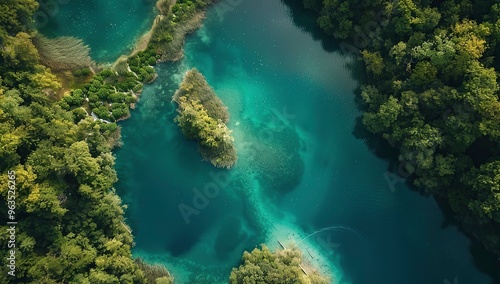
pixel 15 15
pixel 83 72
pixel 140 66
pixel 195 88
pixel 202 117
pixel 110 92
pixel 120 111
pixel 75 99
pixel 102 112
pixel 433 93
pixel 178 18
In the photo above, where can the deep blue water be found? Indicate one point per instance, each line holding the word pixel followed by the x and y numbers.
pixel 301 178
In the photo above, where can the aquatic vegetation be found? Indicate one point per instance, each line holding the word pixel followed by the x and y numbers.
pixel 177 19
pixel 154 273
pixel 202 117
pixel 63 53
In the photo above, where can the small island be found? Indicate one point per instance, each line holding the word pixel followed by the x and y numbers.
pixel 202 116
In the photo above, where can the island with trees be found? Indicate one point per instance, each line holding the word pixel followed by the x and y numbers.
pixel 202 116
pixel 431 93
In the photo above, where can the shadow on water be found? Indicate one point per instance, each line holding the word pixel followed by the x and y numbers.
pixel 305 19
pixel 484 260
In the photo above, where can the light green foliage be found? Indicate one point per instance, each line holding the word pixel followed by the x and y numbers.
pixel 70 216
pixel 264 266
pixel 195 88
pixel 202 117
pixel 19 58
pixel 44 79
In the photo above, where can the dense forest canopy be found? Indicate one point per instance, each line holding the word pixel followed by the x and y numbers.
pixel 432 93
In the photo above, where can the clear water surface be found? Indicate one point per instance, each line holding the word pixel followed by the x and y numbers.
pixel 109 28
pixel 302 177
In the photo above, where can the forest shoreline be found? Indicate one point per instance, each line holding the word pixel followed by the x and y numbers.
pixel 444 145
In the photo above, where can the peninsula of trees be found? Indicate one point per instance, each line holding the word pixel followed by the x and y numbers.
pixel 71 226
pixel 203 117
pixel 281 266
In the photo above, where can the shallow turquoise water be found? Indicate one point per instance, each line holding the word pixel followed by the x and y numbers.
pixel 300 169
pixel 110 28
pixel 302 177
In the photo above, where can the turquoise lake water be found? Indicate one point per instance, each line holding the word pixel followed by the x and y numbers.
pixel 302 177
pixel 110 28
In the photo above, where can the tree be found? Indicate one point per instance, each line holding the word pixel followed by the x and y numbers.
pixel 386 116
pixel 374 62
pixel 424 74
pixel 485 184
pixel 263 266
pixel 15 14
pixel 79 162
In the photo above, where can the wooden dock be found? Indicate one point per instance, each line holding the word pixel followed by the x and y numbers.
pixel 303 270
